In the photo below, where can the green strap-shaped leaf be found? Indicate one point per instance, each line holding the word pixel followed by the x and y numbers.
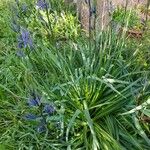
pixel 71 123
pixel 137 108
pixel 90 124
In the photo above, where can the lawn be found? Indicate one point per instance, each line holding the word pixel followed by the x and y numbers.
pixel 64 89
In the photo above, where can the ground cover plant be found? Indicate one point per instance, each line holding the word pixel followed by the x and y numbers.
pixel 60 89
pixel 121 15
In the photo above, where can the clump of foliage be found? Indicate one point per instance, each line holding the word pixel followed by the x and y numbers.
pixel 77 94
pixel 51 23
pixel 126 17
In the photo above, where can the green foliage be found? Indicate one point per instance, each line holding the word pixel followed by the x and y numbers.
pixel 5 31
pixel 96 85
pixel 140 50
pixel 126 17
pixel 58 23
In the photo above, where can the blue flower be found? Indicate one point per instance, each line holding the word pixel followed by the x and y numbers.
pixel 24 39
pixel 30 117
pixel 42 4
pixel 34 101
pixel 49 109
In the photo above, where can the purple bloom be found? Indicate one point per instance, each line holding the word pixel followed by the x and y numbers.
pixel 49 109
pixel 30 117
pixel 24 39
pixel 34 102
pixel 42 4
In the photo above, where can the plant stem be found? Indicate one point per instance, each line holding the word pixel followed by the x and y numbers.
pixel 49 23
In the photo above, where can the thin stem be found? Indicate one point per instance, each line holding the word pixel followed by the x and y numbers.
pixel 49 23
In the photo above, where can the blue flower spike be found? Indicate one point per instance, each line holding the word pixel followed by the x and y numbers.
pixel 49 109
pixel 34 101
pixel 30 117
pixel 24 39
pixel 42 4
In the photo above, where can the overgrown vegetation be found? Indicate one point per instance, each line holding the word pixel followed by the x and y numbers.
pixel 61 90
pixel 121 15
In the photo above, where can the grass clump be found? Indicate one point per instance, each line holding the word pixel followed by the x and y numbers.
pixel 74 94
pixel 127 17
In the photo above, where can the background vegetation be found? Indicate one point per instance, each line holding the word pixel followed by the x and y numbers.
pixel 60 89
